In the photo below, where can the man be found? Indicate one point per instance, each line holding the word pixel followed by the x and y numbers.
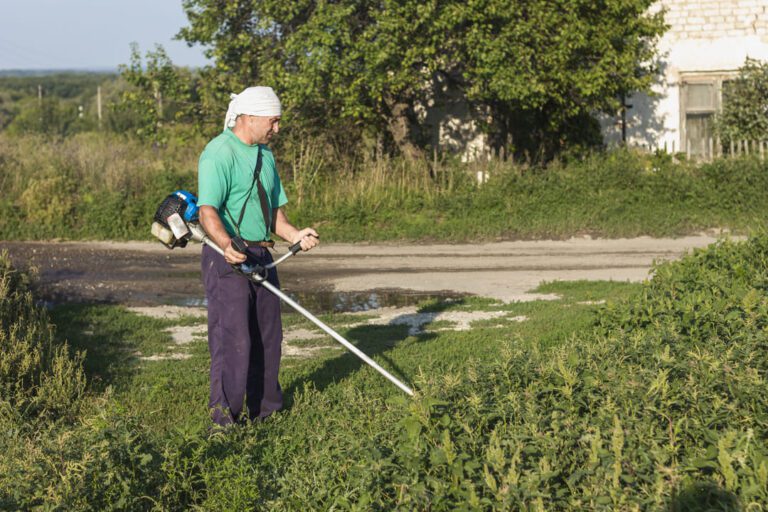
pixel 238 186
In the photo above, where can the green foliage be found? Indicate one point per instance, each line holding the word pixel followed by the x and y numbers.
pixel 546 67
pixel 67 106
pixel 51 116
pixel 357 67
pixel 745 104
pixel 38 377
pixel 100 186
pixel 615 194
pixel 58 85
pixel 87 186
pixel 160 95
pixel 657 403
pixel 151 99
pixel 101 462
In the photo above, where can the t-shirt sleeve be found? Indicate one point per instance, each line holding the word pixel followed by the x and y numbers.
pixel 212 183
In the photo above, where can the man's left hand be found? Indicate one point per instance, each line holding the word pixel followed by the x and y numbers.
pixel 308 238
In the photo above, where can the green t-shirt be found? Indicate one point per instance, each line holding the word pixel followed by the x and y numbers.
pixel 225 175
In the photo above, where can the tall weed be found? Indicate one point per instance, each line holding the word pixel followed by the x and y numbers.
pixel 38 376
pixel 101 186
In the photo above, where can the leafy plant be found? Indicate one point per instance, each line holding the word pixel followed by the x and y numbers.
pixel 659 405
pixel 745 104
pixel 38 376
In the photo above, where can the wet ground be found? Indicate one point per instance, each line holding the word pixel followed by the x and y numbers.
pixel 344 277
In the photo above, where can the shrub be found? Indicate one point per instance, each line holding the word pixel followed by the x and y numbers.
pixel 661 406
pixel 38 376
pixel 745 104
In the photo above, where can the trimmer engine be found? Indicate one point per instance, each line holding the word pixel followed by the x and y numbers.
pixel 171 220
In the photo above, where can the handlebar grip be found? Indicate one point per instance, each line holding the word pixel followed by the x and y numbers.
pixel 295 248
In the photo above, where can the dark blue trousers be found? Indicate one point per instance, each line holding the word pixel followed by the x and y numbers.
pixel 244 337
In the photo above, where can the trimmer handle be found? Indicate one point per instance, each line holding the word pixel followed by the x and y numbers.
pixel 295 248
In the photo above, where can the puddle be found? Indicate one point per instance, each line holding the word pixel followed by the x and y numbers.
pixel 319 302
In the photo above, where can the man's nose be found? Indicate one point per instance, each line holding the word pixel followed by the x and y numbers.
pixel 276 128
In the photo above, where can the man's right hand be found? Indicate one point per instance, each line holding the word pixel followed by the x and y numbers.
pixel 232 256
pixel 211 222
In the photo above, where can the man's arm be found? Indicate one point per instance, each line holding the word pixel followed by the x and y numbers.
pixel 211 222
pixel 288 232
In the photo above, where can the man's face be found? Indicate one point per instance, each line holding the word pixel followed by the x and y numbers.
pixel 262 128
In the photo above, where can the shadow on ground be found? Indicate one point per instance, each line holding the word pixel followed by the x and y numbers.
pixel 705 497
pixel 107 336
pixel 375 341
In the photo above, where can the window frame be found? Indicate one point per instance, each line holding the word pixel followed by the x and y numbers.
pixel 713 78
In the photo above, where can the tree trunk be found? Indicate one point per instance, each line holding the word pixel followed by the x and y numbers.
pixel 399 126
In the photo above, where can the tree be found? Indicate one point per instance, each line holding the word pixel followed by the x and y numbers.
pixel 745 104
pixel 358 67
pixel 553 64
pixel 51 116
pixel 159 95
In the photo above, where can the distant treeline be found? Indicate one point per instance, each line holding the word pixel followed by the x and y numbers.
pixel 62 103
pixel 60 84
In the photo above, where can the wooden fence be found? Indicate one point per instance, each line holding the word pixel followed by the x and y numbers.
pixel 712 147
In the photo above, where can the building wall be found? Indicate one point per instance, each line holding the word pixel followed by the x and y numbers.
pixel 706 38
pixel 451 123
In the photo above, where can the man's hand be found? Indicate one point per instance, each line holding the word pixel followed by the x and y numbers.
pixel 211 222
pixel 308 238
pixel 232 256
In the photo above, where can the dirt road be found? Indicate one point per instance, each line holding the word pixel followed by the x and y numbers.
pixel 144 273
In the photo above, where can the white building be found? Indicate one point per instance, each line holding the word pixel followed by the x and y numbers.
pixel 708 40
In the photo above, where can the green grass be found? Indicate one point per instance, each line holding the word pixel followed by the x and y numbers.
pixel 617 396
pixel 114 340
pixel 170 395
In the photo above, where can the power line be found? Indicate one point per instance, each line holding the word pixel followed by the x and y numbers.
pixel 24 56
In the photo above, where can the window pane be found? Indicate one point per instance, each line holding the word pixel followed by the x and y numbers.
pixel 699 97
pixel 698 131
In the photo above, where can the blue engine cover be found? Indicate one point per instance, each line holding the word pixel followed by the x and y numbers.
pixel 190 214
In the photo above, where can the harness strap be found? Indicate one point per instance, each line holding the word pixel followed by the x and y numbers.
pixel 269 223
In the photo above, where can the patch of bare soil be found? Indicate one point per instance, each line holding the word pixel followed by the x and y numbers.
pixel 417 323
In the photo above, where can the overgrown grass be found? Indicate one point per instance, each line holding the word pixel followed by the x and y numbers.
pixel 654 400
pixel 94 186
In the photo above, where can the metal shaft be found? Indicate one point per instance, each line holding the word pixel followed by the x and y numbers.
pixel 338 337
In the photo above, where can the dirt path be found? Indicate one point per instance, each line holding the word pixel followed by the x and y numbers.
pixel 144 273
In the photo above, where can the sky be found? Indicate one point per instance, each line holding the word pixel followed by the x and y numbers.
pixel 89 34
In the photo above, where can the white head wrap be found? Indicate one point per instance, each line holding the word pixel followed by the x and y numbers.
pixel 254 101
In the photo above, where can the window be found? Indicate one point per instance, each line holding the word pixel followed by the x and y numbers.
pixel 700 99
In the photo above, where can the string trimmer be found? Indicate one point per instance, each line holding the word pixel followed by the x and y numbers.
pixel 176 222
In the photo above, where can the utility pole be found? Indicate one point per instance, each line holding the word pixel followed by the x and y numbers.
pixel 159 96
pixel 624 107
pixel 98 104
pixel 40 103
